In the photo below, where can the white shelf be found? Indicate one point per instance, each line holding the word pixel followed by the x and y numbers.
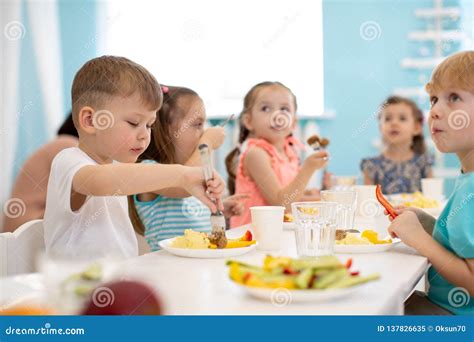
pixel 438 12
pixel 437 35
pixel 420 63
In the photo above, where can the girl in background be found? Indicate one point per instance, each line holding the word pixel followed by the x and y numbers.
pixel 404 161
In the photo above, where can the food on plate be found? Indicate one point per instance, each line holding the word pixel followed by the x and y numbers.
pixel 308 210
pixel 197 240
pixel 191 240
pixel 353 239
pixel 325 272
pixel 84 282
pixel 288 218
pixel 218 238
pixel 373 237
pixel 367 237
pixel 418 200
pixel 123 297
pixel 26 310
pixel 340 234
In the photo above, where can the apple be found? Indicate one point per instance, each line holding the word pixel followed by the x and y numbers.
pixel 123 297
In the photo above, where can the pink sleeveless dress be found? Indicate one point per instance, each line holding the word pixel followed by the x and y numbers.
pixel 285 171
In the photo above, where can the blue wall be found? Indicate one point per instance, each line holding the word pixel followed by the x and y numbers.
pixel 77 20
pixel 359 74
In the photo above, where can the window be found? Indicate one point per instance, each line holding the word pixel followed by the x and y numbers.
pixel 220 48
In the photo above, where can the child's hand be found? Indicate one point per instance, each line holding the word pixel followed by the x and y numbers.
pixel 426 220
pixel 311 192
pixel 193 182
pixel 317 160
pixel 233 205
pixel 327 180
pixel 408 228
pixel 311 195
pixel 213 136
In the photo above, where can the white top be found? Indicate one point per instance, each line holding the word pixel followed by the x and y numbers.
pixel 101 227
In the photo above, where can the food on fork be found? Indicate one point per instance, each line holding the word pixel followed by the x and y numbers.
pixel 218 238
pixel 317 143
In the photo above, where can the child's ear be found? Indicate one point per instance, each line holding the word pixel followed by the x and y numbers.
pixel 247 121
pixel 85 119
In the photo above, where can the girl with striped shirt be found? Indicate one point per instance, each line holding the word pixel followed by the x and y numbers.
pixel 176 135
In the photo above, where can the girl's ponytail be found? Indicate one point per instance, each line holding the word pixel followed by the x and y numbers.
pixel 232 159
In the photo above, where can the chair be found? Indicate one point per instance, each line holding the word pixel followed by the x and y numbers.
pixel 19 250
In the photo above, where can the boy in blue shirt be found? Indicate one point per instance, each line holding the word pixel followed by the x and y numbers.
pixel 450 247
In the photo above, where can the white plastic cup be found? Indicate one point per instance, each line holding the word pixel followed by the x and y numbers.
pixel 267 224
pixel 432 188
pixel 367 204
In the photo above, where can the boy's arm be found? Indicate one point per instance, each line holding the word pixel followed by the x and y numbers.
pixel 129 179
pixel 456 270
pixel 125 179
pixel 211 137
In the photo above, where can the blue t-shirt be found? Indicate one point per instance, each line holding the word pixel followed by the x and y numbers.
pixel 165 218
pixel 398 176
pixel 454 229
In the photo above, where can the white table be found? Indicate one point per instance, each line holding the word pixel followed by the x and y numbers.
pixel 202 287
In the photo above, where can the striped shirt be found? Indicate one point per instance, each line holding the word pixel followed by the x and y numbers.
pixel 165 218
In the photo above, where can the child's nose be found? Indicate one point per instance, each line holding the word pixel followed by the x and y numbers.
pixel 143 133
pixel 436 111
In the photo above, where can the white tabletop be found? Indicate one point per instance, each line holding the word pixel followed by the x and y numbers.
pixel 202 286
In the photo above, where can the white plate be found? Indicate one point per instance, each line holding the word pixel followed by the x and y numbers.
pixel 281 296
pixel 356 249
pixel 205 253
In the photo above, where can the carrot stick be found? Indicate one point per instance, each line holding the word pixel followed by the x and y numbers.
pixel 384 202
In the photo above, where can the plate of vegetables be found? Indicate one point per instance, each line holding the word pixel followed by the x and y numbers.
pixel 298 280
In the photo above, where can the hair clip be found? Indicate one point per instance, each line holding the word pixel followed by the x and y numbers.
pixel 164 89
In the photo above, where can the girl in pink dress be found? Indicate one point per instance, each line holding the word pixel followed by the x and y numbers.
pixel 266 165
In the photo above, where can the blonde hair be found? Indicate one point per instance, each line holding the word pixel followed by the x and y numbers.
pixel 104 77
pixel 456 71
